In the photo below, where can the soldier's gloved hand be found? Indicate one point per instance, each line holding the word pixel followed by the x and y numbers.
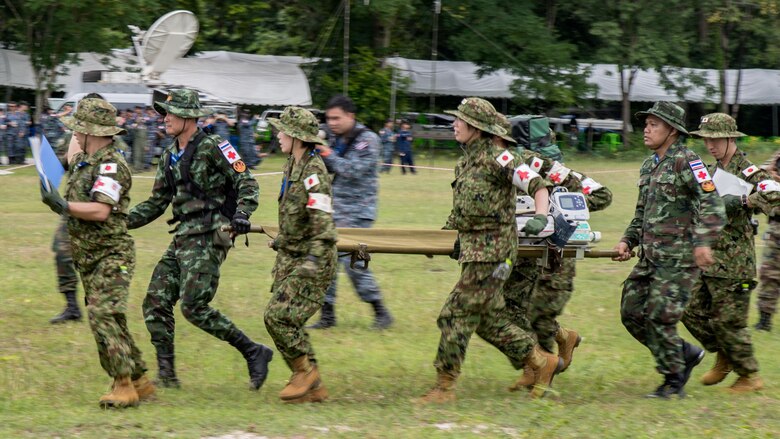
pixel 535 225
pixel 733 204
pixel 309 268
pixel 53 199
pixel 456 251
pixel 240 223
pixel 272 245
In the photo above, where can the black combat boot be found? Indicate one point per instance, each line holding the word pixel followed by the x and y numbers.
pixel 692 355
pixel 257 357
pixel 71 311
pixel 166 375
pixel 327 318
pixel 382 317
pixel 765 322
pixel 673 385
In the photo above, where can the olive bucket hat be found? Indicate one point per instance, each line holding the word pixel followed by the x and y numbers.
pixel 298 123
pixel 183 103
pixel 504 123
pixel 95 117
pixel 717 126
pixel 480 114
pixel 670 113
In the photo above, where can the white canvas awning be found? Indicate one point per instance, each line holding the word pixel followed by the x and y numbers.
pixel 453 78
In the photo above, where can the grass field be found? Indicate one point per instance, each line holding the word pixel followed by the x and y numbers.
pixel 50 378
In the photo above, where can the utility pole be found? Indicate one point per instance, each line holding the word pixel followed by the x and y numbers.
pixel 434 51
pixel 345 87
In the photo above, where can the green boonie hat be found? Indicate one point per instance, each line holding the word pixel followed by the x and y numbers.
pixel 717 126
pixel 670 113
pixel 478 113
pixel 183 103
pixel 95 117
pixel 503 122
pixel 298 123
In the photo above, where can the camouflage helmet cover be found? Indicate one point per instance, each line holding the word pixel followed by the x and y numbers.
pixel 95 117
pixel 478 113
pixel 669 112
pixel 183 103
pixel 503 122
pixel 717 126
pixel 298 123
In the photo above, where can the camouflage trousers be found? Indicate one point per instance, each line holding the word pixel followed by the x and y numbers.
pixel 106 281
pixel 518 290
pixel 63 258
pixel 476 304
pixel 769 292
pixel 553 290
pixel 653 301
pixel 188 270
pixel 294 300
pixel 717 316
pixel 362 280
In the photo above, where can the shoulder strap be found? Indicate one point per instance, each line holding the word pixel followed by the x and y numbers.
pixel 351 139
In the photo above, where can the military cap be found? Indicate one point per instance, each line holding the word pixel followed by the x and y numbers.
pixel 717 126
pixel 478 113
pixel 183 103
pixel 503 122
pixel 298 123
pixel 670 113
pixel 95 117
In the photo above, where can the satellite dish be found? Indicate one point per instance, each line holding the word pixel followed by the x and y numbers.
pixel 168 39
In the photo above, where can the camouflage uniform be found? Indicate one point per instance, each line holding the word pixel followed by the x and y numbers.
pixel 104 252
pixel 306 233
pixel 718 312
pixel 52 128
pixel 189 268
pixel 675 212
pixel 769 290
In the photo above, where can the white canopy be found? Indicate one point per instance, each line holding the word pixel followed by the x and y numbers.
pixel 453 78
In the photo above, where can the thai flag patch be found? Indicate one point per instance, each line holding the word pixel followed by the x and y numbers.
pixel 696 165
pixel 229 152
pixel 311 181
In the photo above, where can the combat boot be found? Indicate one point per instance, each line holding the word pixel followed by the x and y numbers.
pixel 747 383
pixel 257 357
pixel 526 380
pixel 382 317
pixel 545 366
pixel 122 394
pixel 166 375
pixel 719 370
pixel 317 394
pixel 443 391
pixel 692 355
pixel 327 318
pixel 764 322
pixel 71 311
pixel 672 385
pixel 567 341
pixel 144 387
pixel 305 377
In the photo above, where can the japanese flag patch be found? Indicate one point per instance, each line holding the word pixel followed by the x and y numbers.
pixel 107 186
pixel 522 176
pixel 319 202
pixel 558 173
pixel 768 186
pixel 536 164
pixel 750 170
pixel 699 171
pixel 229 152
pixel 108 168
pixel 311 181
pixel 590 185
pixel 504 158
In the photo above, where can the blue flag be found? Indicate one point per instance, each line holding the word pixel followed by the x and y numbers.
pixel 46 161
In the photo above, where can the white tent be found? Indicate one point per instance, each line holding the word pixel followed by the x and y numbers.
pixel 453 78
pixel 15 70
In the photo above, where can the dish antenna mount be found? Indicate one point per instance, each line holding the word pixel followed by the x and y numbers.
pixel 168 39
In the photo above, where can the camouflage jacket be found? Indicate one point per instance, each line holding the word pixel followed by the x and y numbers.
pixel 305 210
pixel 734 251
pixel 674 213
pixel 355 179
pixel 102 177
pixel 211 170
pixel 483 205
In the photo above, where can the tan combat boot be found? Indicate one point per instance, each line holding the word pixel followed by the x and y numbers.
pixel 747 383
pixel 443 391
pixel 567 341
pixel 317 394
pixel 525 381
pixel 122 394
pixel 144 387
pixel 719 370
pixel 545 366
pixel 304 378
